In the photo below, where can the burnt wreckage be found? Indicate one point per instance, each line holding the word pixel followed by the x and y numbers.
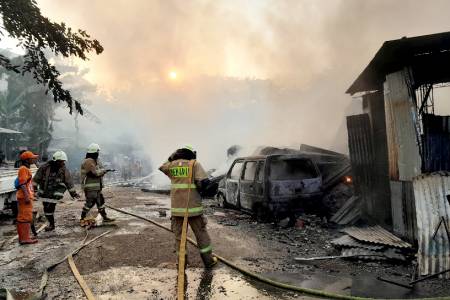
pixel 400 148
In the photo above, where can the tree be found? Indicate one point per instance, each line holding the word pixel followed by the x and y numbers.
pixel 22 20
pixel 25 107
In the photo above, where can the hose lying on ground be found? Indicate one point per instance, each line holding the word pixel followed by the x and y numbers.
pixel 40 293
pixel 312 292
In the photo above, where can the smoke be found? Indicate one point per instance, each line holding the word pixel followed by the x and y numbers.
pixel 248 72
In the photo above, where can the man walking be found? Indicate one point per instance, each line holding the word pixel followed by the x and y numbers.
pixel 52 180
pixel 92 183
pixel 188 179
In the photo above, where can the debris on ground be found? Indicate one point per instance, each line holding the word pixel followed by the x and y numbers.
pixel 372 243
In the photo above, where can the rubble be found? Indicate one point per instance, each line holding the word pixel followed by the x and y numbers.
pixel 376 235
pixel 372 243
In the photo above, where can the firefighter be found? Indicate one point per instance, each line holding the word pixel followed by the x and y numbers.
pixel 177 168
pixel 51 181
pixel 25 198
pixel 92 183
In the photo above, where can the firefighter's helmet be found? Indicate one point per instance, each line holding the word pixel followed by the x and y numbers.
pixel 93 148
pixel 59 155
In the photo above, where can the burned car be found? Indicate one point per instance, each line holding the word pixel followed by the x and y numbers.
pixel 271 186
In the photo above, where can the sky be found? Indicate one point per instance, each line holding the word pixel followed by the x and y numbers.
pixel 252 73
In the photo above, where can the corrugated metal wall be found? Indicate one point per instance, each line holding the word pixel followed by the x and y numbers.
pixel 430 193
pixel 361 155
pixel 403 210
pixel 403 148
pixel 367 179
pixel 436 143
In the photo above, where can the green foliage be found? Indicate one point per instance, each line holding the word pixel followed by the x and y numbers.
pixel 23 21
pixel 26 107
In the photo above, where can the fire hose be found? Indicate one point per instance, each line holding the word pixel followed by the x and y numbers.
pixel 182 252
pixel 312 292
pixel 40 293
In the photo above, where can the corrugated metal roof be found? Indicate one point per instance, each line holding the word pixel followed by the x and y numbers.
pixel 8 131
pixel 376 235
pixel 348 241
pixel 431 196
pixel 425 53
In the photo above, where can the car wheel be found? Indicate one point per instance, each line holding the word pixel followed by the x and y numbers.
pixel 222 201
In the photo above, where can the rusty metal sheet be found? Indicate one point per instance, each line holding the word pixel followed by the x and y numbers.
pixel 376 235
pixel 348 241
pixel 401 117
pixel 431 197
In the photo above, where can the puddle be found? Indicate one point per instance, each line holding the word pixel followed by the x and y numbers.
pixel 369 286
pixel 340 285
pixel 160 283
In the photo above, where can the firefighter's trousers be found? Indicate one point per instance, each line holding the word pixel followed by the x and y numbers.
pixel 49 211
pixel 198 225
pixel 93 198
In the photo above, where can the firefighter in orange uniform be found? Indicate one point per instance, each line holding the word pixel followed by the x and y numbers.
pixel 25 198
pixel 177 168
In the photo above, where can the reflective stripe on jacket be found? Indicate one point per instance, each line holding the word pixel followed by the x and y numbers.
pixel 178 172
pixel 91 175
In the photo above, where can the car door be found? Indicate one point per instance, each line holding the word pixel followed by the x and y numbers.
pixel 246 187
pixel 260 181
pixel 232 183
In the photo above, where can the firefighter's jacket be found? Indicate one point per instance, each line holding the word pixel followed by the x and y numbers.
pixel 52 183
pixel 91 175
pixel 178 172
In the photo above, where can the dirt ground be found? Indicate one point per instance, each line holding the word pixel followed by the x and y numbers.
pixel 137 260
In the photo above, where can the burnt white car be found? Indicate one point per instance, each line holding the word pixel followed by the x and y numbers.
pixel 272 186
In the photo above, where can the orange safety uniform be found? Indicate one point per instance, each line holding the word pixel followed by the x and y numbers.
pixel 25 214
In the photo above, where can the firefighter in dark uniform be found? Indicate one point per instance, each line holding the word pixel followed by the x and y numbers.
pixel 51 182
pixel 177 168
pixel 92 183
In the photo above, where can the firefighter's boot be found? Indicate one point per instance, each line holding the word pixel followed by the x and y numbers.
pixel 208 260
pixel 51 223
pixel 83 217
pixel 106 219
pixel 23 230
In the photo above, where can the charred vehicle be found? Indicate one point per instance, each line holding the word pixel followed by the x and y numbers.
pixel 272 186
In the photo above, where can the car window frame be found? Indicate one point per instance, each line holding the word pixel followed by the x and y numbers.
pixel 245 169
pixel 232 168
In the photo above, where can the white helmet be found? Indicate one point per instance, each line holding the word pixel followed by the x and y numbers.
pixel 93 148
pixel 59 155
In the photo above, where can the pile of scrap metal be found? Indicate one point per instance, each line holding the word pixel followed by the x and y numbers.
pixel 372 243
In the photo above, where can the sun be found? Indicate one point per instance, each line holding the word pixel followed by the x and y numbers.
pixel 173 75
